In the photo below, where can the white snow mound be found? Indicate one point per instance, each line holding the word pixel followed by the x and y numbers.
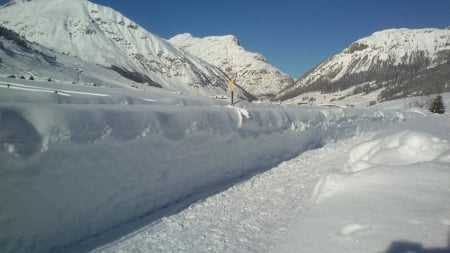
pixel 393 193
pixel 402 148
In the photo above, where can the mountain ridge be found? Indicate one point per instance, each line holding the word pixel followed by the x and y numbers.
pixel 252 70
pixel 396 62
pixel 101 35
pixel 399 62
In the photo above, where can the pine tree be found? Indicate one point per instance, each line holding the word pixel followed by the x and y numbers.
pixel 437 106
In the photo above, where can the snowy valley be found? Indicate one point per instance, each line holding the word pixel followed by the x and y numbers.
pixel 145 155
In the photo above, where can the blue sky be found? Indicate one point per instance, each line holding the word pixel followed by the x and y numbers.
pixel 294 35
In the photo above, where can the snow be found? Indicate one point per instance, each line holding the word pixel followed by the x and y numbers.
pixel 100 35
pixel 61 92
pixel 43 64
pixel 247 217
pixel 397 46
pixel 76 166
pixel 315 203
pixel 389 201
pixel 252 70
pixel 89 164
pixel 402 148
pixel 344 98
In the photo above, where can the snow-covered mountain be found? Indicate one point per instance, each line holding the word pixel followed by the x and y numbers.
pixel 253 71
pixel 103 36
pixel 399 62
pixel 25 60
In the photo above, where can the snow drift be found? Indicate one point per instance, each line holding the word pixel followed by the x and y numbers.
pixel 77 164
pixel 391 195
pixel 402 148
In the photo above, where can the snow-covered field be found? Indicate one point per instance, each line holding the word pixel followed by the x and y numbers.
pixel 116 170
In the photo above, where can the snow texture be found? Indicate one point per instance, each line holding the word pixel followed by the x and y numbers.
pixel 252 71
pixel 78 164
pixel 383 208
pixel 82 157
pixel 101 35
pixel 390 196
pixel 252 216
pixel 397 46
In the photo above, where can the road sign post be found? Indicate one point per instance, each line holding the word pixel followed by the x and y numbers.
pixel 232 89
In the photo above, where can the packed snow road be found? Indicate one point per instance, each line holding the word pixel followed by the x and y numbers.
pixel 251 216
pixel 375 192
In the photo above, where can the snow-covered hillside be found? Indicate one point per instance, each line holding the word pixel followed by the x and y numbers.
pixel 398 62
pixel 252 70
pixel 394 46
pixel 24 60
pixel 101 35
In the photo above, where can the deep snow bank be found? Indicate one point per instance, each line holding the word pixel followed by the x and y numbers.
pixel 69 171
pixel 391 196
pixel 401 148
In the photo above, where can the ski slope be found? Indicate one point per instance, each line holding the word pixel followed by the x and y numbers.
pixel 94 162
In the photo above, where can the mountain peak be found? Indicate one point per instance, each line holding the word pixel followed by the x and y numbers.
pixel 253 71
pixel 183 36
pixel 103 36
pixel 396 62
pixel 232 38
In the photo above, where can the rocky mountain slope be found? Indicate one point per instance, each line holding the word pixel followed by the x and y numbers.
pixel 397 62
pixel 252 70
pixel 103 36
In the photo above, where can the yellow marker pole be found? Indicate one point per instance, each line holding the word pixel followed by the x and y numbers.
pixel 232 89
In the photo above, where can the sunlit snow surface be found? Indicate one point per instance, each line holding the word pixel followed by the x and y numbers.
pixel 252 216
pixel 391 195
pixel 322 201
pixel 79 164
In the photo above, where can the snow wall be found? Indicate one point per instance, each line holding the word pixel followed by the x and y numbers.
pixel 70 171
